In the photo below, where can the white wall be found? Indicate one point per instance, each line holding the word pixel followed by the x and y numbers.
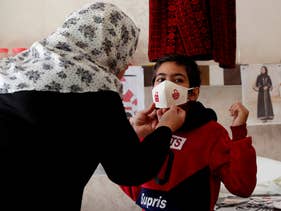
pixel 23 22
pixel 258 31
pixel 258 25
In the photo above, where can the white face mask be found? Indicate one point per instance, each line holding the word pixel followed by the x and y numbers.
pixel 168 93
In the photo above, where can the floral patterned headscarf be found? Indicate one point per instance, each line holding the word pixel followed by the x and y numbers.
pixel 86 54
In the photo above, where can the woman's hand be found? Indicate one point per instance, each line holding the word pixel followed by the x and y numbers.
pixel 145 121
pixel 173 118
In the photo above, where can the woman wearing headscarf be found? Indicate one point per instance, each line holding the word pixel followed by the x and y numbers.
pixel 61 114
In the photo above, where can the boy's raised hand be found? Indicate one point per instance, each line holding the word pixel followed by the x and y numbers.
pixel 239 113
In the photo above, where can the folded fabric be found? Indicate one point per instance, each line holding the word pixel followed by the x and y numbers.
pixel 268 178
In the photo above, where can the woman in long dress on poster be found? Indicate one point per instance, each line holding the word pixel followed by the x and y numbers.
pixel 264 104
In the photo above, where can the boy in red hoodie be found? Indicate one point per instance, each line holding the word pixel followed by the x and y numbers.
pixel 202 155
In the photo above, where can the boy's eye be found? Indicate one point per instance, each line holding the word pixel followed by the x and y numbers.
pixel 160 80
pixel 179 80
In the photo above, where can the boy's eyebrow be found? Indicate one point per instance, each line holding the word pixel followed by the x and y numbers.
pixel 160 74
pixel 175 74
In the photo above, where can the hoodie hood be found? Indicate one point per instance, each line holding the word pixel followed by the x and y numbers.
pixel 197 115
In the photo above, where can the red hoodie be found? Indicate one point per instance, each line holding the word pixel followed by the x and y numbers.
pixel 198 162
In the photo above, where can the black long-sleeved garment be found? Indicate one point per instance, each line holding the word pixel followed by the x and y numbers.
pixel 51 143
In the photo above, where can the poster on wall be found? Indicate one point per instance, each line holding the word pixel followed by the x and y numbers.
pixel 261 93
pixel 133 90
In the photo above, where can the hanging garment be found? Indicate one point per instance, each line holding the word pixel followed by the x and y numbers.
pixel 203 30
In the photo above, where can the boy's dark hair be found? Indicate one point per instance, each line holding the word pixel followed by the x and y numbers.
pixel 190 65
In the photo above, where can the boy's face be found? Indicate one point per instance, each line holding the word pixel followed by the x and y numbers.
pixel 177 74
pixel 172 72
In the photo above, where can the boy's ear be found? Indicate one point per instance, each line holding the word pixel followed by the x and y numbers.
pixel 194 94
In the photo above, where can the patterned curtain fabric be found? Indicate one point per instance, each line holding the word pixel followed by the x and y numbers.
pixel 202 29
